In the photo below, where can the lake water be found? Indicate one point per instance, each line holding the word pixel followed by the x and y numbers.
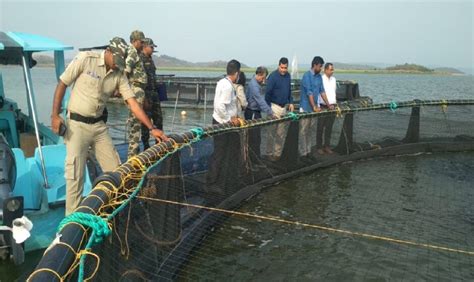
pixel 341 194
pixel 422 199
pixel 380 87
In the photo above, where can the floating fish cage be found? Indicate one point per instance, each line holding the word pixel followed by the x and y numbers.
pixel 152 218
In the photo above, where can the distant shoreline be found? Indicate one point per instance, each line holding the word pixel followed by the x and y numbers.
pixel 354 71
pixel 251 70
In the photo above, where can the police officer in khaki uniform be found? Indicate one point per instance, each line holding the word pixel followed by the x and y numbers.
pixel 94 77
pixel 151 104
pixel 136 75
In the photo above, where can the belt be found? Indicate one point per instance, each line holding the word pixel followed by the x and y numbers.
pixel 281 105
pixel 258 111
pixel 88 120
pixel 139 85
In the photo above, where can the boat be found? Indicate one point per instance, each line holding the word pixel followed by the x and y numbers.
pixel 32 180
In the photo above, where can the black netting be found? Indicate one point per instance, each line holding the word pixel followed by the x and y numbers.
pixel 169 230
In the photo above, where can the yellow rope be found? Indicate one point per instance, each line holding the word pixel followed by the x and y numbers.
pixel 77 260
pixel 85 207
pixel 242 122
pixel 338 111
pixel 444 106
pixel 330 229
pixel 95 196
pixel 47 270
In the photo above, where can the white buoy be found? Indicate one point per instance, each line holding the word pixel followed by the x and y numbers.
pixel 183 113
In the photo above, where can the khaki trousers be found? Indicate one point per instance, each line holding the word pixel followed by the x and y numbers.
pixel 276 142
pixel 307 132
pixel 79 138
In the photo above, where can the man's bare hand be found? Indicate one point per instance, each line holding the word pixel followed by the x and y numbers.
pixel 316 109
pixel 56 121
pixel 331 107
pixel 291 107
pixel 159 135
pixel 235 121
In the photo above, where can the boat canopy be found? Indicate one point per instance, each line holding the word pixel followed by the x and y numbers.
pixel 14 44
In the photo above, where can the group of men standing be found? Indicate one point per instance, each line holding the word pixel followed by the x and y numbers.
pixel 130 70
pixel 318 92
pixel 94 78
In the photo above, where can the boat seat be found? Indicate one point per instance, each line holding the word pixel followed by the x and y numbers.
pixel 54 156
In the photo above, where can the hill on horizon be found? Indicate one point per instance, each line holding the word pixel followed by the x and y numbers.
pixel 410 68
pixel 166 61
pixel 169 61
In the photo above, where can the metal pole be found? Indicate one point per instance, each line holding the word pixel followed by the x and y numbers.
pixel 197 93
pixel 26 72
pixel 205 104
pixel 175 106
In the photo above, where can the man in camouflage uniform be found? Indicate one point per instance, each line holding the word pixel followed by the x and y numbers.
pixel 136 75
pixel 151 104
pixel 93 77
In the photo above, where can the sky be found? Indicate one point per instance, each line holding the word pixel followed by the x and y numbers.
pixel 430 33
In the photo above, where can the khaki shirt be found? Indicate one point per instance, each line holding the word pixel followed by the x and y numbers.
pixel 134 67
pixel 93 85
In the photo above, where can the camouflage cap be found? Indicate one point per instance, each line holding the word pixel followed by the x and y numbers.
pixel 148 42
pixel 118 47
pixel 137 35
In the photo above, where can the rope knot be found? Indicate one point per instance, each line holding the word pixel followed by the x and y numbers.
pixel 338 111
pixel 241 121
pixel 293 116
pixel 198 132
pixel 99 226
pixel 393 106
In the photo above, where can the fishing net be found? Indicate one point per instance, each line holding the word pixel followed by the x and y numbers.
pixel 185 210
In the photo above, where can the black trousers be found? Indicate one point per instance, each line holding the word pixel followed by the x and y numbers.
pixel 156 116
pixel 324 129
pixel 252 114
pixel 255 137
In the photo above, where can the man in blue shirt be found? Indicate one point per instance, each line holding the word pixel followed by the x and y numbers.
pixel 256 105
pixel 311 89
pixel 256 102
pixel 278 96
pixel 278 92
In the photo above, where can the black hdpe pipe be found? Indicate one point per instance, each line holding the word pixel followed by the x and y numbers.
pixel 57 261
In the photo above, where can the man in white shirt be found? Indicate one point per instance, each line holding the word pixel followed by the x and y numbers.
pixel 220 180
pixel 225 99
pixel 325 123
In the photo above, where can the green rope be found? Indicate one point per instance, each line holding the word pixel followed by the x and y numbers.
pixel 98 225
pixel 198 131
pixel 393 106
pixel 293 116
